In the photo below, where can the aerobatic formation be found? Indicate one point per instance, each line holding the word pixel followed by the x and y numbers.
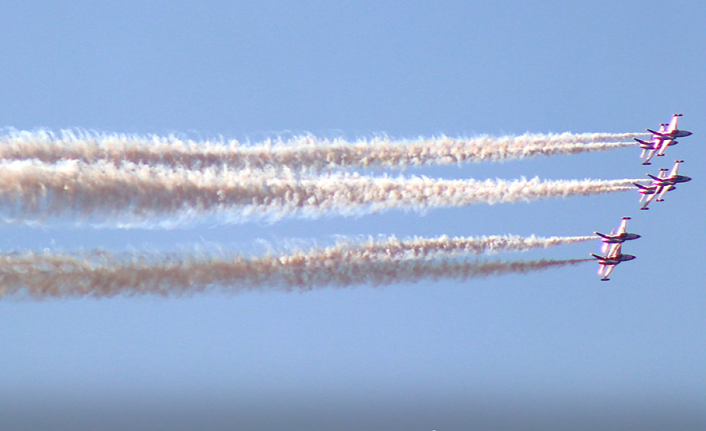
pixel 156 182
pixel 658 187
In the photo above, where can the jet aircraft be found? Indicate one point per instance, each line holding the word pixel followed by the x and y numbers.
pixel 651 148
pixel 661 139
pixel 672 131
pixel 662 184
pixel 610 261
pixel 614 239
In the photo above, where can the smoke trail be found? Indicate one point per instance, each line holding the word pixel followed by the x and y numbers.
pixel 104 275
pixel 140 192
pixel 301 153
pixel 444 246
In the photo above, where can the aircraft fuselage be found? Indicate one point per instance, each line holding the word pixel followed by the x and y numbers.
pixel 670 135
pixel 648 190
pixel 680 133
pixel 614 260
pixel 619 239
pixel 671 180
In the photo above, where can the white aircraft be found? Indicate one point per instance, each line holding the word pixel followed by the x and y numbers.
pixel 649 192
pixel 650 148
pixel 610 261
pixel 662 138
pixel 661 184
pixel 614 239
pixel 672 131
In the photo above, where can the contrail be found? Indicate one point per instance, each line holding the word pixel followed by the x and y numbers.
pixel 300 153
pixel 101 274
pixel 444 246
pixel 32 189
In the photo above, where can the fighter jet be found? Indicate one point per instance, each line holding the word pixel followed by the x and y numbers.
pixel 613 240
pixel 648 192
pixel 672 131
pixel 661 184
pixel 662 138
pixel 651 148
pixel 610 261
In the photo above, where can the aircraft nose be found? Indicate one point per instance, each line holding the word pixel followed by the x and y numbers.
pixel 687 179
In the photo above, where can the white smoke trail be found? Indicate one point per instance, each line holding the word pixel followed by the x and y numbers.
pixel 32 189
pixel 444 246
pixel 300 153
pixel 101 274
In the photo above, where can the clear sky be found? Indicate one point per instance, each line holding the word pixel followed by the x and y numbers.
pixel 552 349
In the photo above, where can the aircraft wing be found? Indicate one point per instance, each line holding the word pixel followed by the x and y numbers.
pixel 675 170
pixel 611 249
pixel 615 251
pixel 650 154
pixel 662 193
pixel 673 123
pixel 663 146
pixel 651 196
pixel 607 271
pixel 605 247
pixel 623 226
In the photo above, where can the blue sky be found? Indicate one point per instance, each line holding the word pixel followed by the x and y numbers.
pixel 555 347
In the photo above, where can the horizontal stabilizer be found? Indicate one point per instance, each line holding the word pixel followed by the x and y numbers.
pixel 656 133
